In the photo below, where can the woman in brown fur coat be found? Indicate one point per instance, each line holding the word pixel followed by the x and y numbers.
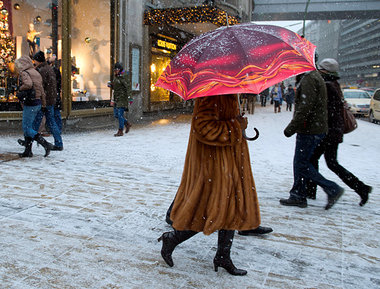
pixel 217 190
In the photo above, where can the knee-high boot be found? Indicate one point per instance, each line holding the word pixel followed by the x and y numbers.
pixel 170 240
pixel 167 219
pixel 46 145
pixel 28 148
pixel 222 257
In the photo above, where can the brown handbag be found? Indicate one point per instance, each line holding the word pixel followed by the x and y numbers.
pixel 350 123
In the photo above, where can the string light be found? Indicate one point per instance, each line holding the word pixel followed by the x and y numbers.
pixel 197 14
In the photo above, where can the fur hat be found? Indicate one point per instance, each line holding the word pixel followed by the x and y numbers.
pixel 329 64
pixel 39 56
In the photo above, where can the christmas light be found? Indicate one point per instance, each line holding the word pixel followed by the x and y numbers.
pixel 197 14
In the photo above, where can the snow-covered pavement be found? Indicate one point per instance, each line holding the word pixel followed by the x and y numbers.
pixel 90 216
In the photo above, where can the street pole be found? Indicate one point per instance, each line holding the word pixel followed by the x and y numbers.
pixel 304 18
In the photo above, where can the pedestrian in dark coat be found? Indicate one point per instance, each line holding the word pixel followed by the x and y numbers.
pixel 50 87
pixel 310 123
pixel 121 86
pixel 30 79
pixel 329 145
pixel 289 97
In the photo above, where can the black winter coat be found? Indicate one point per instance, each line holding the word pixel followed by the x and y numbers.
pixel 335 107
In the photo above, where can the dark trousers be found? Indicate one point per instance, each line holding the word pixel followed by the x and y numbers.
pixel 303 169
pixel 330 151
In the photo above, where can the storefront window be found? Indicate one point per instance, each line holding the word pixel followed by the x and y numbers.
pixel 90 53
pixel 26 27
pixel 159 63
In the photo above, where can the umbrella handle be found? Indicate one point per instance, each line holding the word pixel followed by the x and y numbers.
pixel 251 138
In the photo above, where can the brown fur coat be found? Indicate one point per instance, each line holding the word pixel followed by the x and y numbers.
pixel 217 189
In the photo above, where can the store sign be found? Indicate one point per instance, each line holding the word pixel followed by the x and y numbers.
pixel 167 45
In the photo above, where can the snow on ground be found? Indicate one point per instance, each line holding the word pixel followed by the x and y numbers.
pixel 90 216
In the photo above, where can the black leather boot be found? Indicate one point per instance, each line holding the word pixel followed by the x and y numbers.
pixel 222 257
pixel 46 145
pixel 170 240
pixel 167 219
pixel 363 192
pixel 28 148
pixel 21 142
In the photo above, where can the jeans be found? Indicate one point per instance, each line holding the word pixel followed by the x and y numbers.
pixel 29 114
pixel 304 170
pixel 50 121
pixel 58 119
pixel 118 112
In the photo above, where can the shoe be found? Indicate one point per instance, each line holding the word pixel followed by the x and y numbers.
pixel 294 202
pixel 56 148
pixel 119 133
pixel 364 195
pixel 21 142
pixel 332 200
pixel 255 232
pixel 127 127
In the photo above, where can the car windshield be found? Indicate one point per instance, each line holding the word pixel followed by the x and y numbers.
pixel 356 94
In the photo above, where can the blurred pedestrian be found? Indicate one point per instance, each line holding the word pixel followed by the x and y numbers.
pixel 54 63
pixel 217 190
pixel 328 147
pixel 263 96
pixel 251 99
pixel 310 123
pixel 276 94
pixel 50 87
pixel 121 86
pixel 32 95
pixel 289 97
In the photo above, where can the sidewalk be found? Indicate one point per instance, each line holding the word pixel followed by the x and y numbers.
pixel 90 216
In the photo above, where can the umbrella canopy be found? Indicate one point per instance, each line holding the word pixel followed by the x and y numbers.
pixel 245 58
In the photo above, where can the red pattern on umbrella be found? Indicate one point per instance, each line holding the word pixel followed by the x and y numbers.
pixel 244 58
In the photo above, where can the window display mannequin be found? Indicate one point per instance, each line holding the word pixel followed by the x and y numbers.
pixel 32 39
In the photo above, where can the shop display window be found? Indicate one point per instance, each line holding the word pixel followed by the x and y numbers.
pixel 26 27
pixel 90 53
pixel 158 65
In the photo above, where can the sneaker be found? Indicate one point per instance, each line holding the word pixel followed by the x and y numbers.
pixel 332 200
pixel 294 202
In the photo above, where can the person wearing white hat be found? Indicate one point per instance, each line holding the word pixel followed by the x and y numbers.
pixel 328 147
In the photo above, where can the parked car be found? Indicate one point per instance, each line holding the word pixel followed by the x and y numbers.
pixel 374 107
pixel 370 90
pixel 358 101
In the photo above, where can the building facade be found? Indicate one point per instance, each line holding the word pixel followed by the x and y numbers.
pixel 354 43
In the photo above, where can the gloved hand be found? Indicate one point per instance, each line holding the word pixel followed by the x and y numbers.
pixel 287 133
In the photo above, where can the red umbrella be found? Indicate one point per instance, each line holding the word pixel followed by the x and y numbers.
pixel 245 58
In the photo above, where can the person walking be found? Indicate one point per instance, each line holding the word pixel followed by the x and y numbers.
pixel 52 61
pixel 310 123
pixel 289 97
pixel 32 95
pixel 121 86
pixel 217 190
pixel 50 87
pixel 276 94
pixel 263 97
pixel 328 147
